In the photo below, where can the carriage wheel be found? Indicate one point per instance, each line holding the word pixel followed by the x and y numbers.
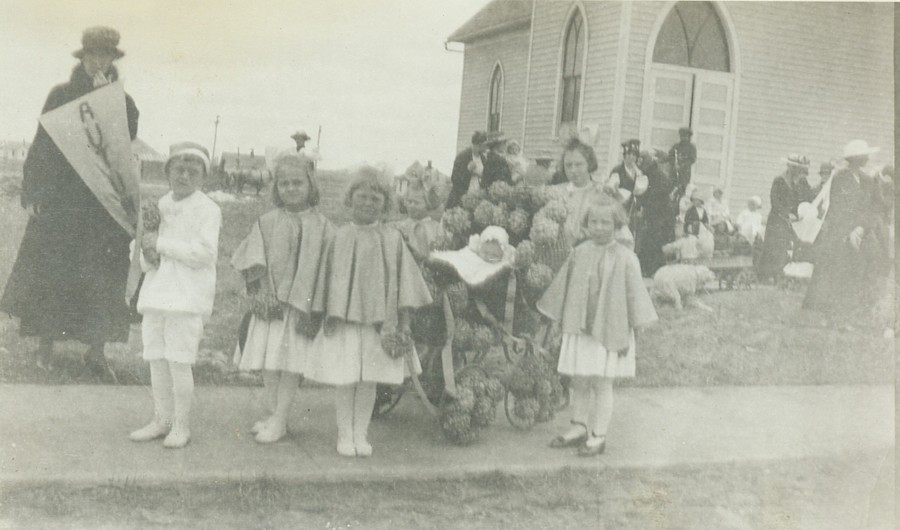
pixel 509 405
pixel 386 398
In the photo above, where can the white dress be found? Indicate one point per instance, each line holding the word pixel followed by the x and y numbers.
pixel 353 353
pixel 273 344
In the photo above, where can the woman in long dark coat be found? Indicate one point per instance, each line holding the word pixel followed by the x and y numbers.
pixel 657 220
pixel 788 191
pixel 849 254
pixel 68 281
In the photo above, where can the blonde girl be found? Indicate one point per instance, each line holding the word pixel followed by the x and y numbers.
pixel 599 299
pixel 279 260
pixel 369 284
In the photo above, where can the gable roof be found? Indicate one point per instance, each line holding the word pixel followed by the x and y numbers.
pixel 143 151
pixel 496 17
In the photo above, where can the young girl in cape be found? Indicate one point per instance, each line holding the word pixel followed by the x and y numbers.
pixel 176 298
pixel 369 284
pixel 279 260
pixel 418 229
pixel 599 298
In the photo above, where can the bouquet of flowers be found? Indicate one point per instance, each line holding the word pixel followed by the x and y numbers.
pixel 397 344
pixel 536 389
pixel 150 219
pixel 265 306
pixel 473 408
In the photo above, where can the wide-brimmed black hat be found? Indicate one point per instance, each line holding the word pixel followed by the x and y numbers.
pixel 101 39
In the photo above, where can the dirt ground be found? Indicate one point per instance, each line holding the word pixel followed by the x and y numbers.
pixel 817 494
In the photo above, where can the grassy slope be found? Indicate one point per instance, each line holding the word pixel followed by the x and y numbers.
pixel 759 336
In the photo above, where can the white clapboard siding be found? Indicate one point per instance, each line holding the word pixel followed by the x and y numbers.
pixel 809 78
pixel 549 25
pixel 511 50
pixel 600 74
pixel 643 15
pixel 813 77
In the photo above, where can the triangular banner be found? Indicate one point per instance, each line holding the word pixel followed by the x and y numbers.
pixel 92 133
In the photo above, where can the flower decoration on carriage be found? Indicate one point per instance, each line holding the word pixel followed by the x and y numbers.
pixel 474 407
pixel 536 389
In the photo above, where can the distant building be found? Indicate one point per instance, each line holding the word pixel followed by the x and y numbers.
pixel 232 161
pixel 14 151
pixel 151 161
pixel 754 80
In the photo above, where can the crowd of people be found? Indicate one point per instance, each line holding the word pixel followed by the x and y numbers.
pixel 329 302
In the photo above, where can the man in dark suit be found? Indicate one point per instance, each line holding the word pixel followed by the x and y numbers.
pixel 683 155
pixel 468 163
pixel 496 167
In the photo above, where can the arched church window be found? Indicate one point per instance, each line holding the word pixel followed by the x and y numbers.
pixel 692 35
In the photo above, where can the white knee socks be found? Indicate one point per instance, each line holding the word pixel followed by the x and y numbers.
pixel 161 386
pixel 592 403
pixel 581 405
pixel 353 407
pixel 343 407
pixel 602 409
pixel 183 390
pixel 172 385
pixel 362 415
pixel 271 379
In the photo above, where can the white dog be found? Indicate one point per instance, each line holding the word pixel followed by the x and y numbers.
pixel 678 282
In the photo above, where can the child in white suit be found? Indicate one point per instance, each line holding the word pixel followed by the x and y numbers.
pixel 179 262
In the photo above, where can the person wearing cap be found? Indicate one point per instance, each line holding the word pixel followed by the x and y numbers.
pixel 300 137
pixel 627 182
pixel 69 279
pixel 683 155
pixel 176 297
pixel 696 215
pixel 627 179
pixel 656 222
pixel 788 190
pixel 849 255
pixel 468 164
pixel 311 154
pixel 496 168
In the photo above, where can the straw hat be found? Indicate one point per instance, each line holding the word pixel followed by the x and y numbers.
pixel 858 148
pixel 797 160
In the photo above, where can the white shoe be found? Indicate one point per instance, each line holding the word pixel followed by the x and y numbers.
pixel 271 432
pixel 346 449
pixel 260 425
pixel 363 449
pixel 153 430
pixel 178 437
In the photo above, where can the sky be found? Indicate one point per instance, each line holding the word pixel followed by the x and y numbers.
pixel 374 74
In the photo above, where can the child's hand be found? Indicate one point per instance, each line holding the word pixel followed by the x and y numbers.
pixel 151 256
pixel 148 242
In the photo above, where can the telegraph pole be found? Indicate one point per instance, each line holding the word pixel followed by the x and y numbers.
pixel 212 159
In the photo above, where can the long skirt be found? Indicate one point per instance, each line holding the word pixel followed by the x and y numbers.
pixel 353 353
pixel 68 281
